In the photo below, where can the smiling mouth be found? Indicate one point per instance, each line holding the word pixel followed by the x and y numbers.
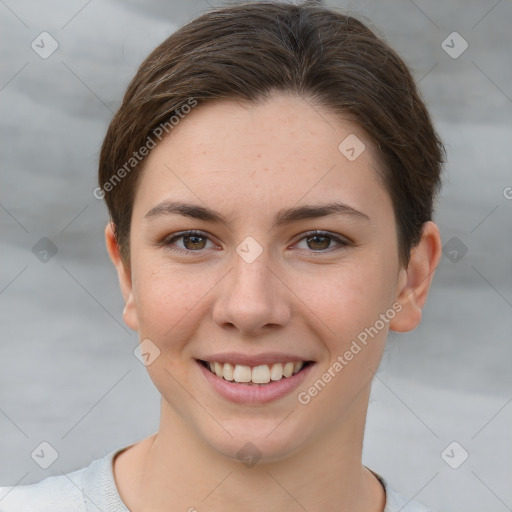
pixel 258 375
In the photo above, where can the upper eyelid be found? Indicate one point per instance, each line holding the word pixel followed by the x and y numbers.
pixel 189 232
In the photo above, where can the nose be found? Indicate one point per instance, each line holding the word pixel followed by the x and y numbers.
pixel 253 298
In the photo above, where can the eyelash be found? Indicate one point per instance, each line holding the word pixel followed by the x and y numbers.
pixel 167 243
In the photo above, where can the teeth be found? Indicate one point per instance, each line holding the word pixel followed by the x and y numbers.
pixel 288 369
pixel 228 371
pixel 276 373
pixel 242 373
pixel 261 374
pixel 218 369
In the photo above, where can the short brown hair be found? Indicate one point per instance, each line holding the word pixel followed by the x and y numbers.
pixel 248 51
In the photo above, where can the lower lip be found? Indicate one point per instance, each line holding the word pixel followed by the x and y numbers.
pixel 255 393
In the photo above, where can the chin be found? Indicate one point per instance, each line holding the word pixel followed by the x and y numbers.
pixel 257 442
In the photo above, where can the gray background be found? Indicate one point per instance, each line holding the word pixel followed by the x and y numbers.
pixel 68 375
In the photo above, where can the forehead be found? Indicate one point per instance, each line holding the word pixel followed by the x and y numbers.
pixel 282 150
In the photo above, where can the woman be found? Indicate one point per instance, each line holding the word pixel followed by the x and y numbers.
pixel 270 177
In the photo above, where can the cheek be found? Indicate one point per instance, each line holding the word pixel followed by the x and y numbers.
pixel 355 335
pixel 350 299
pixel 169 300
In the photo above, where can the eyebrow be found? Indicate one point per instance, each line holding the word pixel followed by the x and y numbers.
pixel 284 216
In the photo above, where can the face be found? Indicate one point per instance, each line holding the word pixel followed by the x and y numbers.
pixel 266 276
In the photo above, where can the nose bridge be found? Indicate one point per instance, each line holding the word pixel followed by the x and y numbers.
pixel 251 266
pixel 252 275
pixel 252 295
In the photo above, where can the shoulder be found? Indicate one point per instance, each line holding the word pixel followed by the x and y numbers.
pixel 396 502
pixel 83 490
pixel 56 493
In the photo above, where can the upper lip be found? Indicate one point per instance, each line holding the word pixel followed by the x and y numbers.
pixel 253 360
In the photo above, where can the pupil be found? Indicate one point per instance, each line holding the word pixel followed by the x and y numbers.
pixel 194 239
pixel 321 236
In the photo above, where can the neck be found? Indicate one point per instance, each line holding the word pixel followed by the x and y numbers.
pixel 176 466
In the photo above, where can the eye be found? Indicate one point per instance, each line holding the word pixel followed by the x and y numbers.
pixel 196 241
pixel 193 241
pixel 319 241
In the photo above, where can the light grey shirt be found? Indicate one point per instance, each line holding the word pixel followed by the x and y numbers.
pixel 93 489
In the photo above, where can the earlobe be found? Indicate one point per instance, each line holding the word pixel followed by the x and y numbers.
pixel 414 281
pixel 124 275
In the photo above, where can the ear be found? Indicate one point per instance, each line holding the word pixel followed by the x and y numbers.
pixel 415 280
pixel 125 279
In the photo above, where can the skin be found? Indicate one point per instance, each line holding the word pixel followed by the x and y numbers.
pixel 302 295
